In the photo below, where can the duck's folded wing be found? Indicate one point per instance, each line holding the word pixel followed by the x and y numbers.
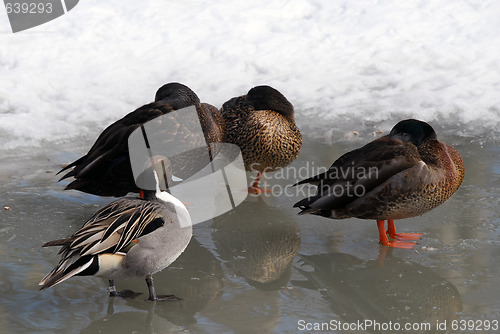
pixel 110 230
pixel 358 172
pixel 112 142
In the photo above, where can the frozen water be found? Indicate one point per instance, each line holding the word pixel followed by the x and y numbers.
pixel 352 69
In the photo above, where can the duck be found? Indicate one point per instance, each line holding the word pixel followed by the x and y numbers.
pixel 106 168
pixel 400 175
pixel 127 239
pixel 262 124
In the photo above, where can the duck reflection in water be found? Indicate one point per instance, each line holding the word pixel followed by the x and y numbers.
pixel 259 247
pixel 196 276
pixel 385 290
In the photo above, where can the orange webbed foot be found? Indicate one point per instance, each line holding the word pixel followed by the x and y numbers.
pixel 394 243
pixel 401 244
pixel 406 236
pixel 391 231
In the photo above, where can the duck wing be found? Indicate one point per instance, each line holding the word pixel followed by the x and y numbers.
pixel 113 227
pixel 105 170
pixel 111 230
pixel 359 172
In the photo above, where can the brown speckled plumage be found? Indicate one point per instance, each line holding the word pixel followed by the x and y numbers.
pixel 404 174
pixel 262 125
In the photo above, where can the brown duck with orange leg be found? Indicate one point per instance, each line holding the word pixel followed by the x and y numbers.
pixel 262 124
pixel 401 175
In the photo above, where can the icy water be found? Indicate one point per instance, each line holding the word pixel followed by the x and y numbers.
pixel 261 268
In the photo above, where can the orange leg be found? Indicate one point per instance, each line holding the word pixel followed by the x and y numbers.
pixel 391 230
pixel 395 243
pixel 254 188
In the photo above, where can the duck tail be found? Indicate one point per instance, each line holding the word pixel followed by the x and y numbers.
pixel 69 267
pixel 73 164
pixel 303 205
pixel 59 242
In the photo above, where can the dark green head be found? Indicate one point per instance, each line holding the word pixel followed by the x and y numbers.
pixel 414 131
pixel 177 95
pixel 268 98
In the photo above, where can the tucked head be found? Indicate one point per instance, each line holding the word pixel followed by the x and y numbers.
pixel 177 95
pixel 268 98
pixel 179 207
pixel 162 169
pixel 414 131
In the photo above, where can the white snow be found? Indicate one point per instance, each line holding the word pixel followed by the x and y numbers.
pixel 338 62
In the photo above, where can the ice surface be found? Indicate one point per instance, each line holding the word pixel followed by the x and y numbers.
pixel 341 63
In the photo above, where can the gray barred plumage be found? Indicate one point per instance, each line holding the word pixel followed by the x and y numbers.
pixel 128 238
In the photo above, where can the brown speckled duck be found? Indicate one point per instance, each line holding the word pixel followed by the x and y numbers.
pixel 404 174
pixel 106 170
pixel 262 125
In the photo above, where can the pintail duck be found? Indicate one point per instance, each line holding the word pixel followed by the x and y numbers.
pixel 106 169
pixel 262 125
pixel 401 175
pixel 128 238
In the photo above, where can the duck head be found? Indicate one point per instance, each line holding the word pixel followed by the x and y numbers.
pixel 414 131
pixel 177 95
pixel 268 98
